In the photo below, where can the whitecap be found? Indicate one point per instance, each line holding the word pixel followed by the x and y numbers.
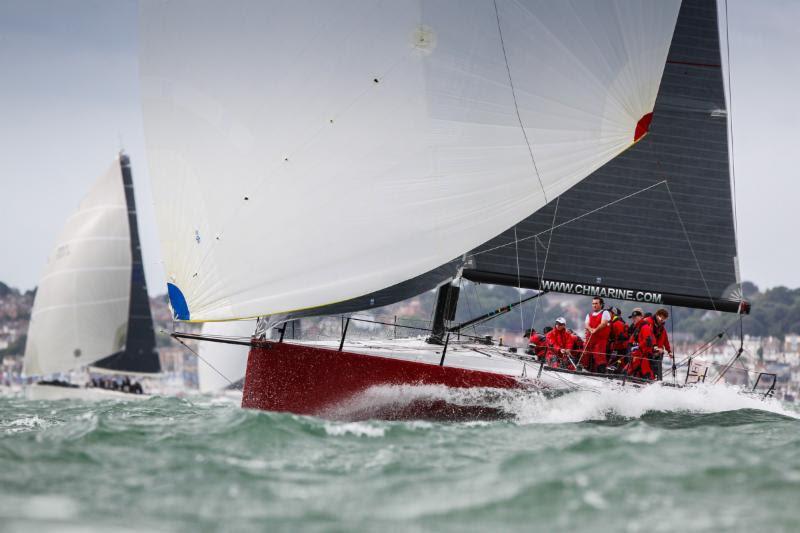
pixel 359 429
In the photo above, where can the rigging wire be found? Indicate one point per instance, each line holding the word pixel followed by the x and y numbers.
pixel 466 299
pixel 546 256
pixel 519 288
pixel 200 357
pixel 733 157
pixel 533 162
pixel 574 219
pixel 516 106
pixel 691 248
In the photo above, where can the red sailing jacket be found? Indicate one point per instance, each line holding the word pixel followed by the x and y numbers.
pixel 642 338
pixel 642 343
pixel 618 339
pixel 577 344
pixel 660 334
pixel 559 340
pixel 539 343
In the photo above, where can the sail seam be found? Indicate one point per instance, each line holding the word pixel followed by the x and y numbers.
pixel 86 269
pixel 516 106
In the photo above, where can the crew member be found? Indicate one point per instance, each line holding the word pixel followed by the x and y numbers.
pixel 537 345
pixel 597 331
pixel 559 345
pixel 642 343
pixel 577 346
pixel 662 347
pixel 617 341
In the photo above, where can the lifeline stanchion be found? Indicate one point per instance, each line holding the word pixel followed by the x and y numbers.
pixel 344 333
pixel 444 350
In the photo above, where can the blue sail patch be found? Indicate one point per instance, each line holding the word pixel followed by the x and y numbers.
pixel 178 302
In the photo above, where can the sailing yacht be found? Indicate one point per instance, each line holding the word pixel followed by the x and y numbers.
pixel 320 159
pixel 91 312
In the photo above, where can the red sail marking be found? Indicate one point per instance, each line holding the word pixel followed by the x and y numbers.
pixel 642 126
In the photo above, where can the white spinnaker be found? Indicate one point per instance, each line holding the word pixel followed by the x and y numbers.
pixel 307 152
pixel 80 313
pixel 229 360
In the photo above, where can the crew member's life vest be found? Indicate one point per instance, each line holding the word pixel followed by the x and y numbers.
pixel 594 355
pixel 557 341
pixel 599 337
pixel 660 334
pixel 642 342
pixel 539 343
pixel 618 336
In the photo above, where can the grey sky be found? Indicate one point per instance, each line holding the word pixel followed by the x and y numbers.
pixel 69 98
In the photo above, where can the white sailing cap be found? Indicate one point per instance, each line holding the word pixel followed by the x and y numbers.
pixel 561 320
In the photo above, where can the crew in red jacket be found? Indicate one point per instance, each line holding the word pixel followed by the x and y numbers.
pixel 618 341
pixel 597 331
pixel 559 344
pixel 642 343
pixel 577 347
pixel 537 344
pixel 662 347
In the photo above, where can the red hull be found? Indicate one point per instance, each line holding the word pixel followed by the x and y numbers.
pixel 316 381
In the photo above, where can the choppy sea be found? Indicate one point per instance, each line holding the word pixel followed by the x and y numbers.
pixel 656 459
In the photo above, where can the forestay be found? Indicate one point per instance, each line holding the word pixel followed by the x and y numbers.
pixel 80 313
pixel 305 153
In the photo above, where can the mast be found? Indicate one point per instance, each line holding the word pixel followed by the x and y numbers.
pixel 139 355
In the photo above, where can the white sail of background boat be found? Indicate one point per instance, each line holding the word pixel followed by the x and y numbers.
pixel 91 307
pixel 314 158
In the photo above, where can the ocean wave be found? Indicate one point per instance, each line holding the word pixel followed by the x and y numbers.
pixel 608 404
pixel 612 404
pixel 358 429
pixel 25 424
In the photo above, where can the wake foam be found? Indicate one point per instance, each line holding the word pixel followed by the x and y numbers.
pixel 538 407
pixel 23 424
pixel 632 403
